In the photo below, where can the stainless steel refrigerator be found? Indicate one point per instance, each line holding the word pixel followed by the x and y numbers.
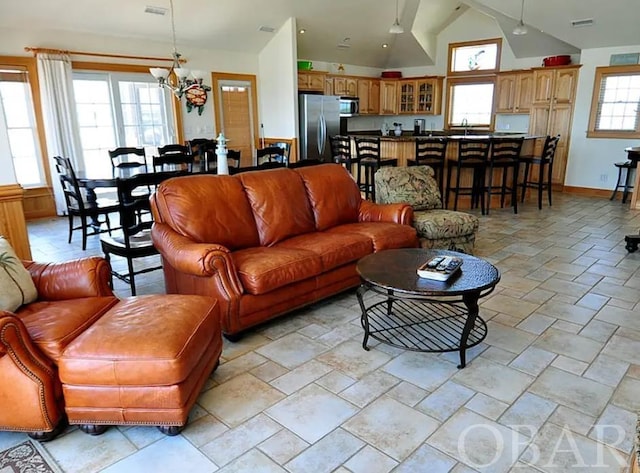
pixel 319 119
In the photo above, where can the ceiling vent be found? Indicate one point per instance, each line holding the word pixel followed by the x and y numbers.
pixel 155 10
pixel 580 23
pixel 344 44
pixel 266 29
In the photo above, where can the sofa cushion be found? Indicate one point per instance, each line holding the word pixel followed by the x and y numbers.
pixel 414 185
pixel 208 209
pixel 279 202
pixel 438 224
pixel 16 286
pixel 263 269
pixel 383 235
pixel 334 249
pixel 333 194
pixel 53 325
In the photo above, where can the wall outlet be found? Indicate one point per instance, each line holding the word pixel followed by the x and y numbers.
pixel 604 177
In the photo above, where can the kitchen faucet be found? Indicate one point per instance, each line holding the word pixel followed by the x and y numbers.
pixel 465 124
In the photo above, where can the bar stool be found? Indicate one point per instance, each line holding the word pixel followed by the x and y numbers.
pixel 341 151
pixel 431 152
pixel 628 168
pixel 369 161
pixel 472 154
pixel 545 160
pixel 504 155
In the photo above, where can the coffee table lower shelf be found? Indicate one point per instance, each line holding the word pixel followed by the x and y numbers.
pixel 419 325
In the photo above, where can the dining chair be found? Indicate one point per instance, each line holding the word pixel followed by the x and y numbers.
pixel 431 152
pixel 369 161
pixel 133 240
pixel 202 150
pixel 270 154
pixel 472 154
pixel 126 161
pixel 545 170
pixel 77 205
pixel 504 154
pixel 173 157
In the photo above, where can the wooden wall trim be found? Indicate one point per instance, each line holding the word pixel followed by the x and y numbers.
pixel 12 223
pixel 588 191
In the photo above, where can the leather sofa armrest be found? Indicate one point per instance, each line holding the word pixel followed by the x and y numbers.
pixel 32 389
pixel 197 259
pixel 85 277
pixel 394 213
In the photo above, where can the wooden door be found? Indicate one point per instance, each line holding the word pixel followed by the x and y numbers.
pixel 543 85
pixel 523 92
pixel 425 96
pixel 374 97
pixel 406 97
pixel 539 120
pixel 506 92
pixel 388 97
pixel 235 105
pixel 328 85
pixel 339 86
pixel 560 124
pixel 565 85
pixel 364 90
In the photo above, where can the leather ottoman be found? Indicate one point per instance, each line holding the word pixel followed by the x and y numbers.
pixel 144 362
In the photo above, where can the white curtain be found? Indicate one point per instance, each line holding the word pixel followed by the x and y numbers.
pixel 60 120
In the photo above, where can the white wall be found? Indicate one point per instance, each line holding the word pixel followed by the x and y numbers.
pixel 591 159
pixel 277 84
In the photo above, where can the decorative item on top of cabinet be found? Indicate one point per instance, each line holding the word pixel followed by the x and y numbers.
pixel 345 86
pixel 369 95
pixel 514 92
pixel 552 111
pixel 311 80
pixel 388 97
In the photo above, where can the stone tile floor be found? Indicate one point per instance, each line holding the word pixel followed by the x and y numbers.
pixel 554 387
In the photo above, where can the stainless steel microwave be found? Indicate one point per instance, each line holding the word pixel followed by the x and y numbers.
pixel 349 106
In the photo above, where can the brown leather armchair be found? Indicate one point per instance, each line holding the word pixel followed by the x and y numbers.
pixel 71 296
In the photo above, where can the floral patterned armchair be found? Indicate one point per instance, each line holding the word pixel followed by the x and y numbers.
pixel 436 227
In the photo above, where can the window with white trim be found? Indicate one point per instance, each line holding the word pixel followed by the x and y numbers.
pixel 615 105
pixel 19 120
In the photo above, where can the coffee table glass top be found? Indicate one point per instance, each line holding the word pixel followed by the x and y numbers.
pixel 396 270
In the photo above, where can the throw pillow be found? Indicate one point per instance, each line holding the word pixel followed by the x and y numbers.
pixel 16 285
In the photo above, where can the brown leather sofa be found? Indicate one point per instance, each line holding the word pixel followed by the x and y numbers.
pixel 79 353
pixel 267 242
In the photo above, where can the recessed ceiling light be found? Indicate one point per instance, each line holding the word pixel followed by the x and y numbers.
pixel 385 45
pixel 302 31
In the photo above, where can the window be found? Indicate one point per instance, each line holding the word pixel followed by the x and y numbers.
pixel 471 83
pixel 116 109
pixel 474 57
pixel 615 105
pixel 20 124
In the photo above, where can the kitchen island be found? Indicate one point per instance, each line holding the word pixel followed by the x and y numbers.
pixel 403 148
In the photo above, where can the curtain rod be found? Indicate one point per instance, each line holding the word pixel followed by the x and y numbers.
pixel 82 53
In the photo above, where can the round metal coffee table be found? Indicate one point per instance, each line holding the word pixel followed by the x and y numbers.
pixel 421 314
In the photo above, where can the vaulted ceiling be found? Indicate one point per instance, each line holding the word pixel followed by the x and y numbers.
pixel 235 24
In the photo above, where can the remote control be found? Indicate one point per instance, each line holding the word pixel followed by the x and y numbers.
pixel 435 261
pixel 453 264
pixel 444 263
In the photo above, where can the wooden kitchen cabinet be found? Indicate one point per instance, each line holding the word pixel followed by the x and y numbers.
pixel 328 85
pixel 552 111
pixel 369 96
pixel 311 81
pixel 514 92
pixel 420 96
pixel 388 97
pixel 345 86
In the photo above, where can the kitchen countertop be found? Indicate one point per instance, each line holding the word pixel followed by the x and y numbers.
pixel 410 137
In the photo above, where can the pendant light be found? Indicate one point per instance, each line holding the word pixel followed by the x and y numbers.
pixel 396 28
pixel 520 28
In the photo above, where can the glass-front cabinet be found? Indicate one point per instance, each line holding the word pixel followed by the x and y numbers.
pixel 420 96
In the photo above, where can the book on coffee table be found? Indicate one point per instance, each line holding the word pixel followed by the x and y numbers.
pixel 440 268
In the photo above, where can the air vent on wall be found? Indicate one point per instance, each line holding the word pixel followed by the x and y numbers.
pixel 267 29
pixel 579 23
pixel 155 10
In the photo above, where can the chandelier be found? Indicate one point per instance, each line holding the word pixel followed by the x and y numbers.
pixel 184 79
